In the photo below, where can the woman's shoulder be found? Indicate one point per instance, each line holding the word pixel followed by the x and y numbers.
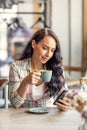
pixel 20 63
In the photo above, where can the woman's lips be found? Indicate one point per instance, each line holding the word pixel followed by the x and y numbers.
pixel 45 59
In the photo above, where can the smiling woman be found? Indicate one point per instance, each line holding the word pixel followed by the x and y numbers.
pixel 26 89
pixel 44 49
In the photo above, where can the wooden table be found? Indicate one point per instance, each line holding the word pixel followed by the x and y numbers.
pixel 19 119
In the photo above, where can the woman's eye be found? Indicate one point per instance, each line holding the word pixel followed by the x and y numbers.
pixel 45 48
pixel 52 51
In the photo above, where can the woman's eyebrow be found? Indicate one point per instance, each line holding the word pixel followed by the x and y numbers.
pixel 47 46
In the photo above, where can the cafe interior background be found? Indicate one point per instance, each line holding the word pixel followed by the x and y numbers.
pixel 19 19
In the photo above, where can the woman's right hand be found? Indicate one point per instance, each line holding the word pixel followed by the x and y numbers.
pixel 33 77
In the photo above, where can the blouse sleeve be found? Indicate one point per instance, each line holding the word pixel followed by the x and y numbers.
pixel 14 82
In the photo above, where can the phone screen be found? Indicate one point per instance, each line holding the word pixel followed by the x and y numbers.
pixel 60 96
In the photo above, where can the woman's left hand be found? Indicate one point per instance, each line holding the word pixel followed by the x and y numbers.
pixel 63 104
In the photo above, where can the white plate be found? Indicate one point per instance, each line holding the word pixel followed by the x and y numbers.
pixel 38 110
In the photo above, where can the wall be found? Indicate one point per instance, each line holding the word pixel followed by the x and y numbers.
pixel 60 22
pixel 67 23
pixel 27 18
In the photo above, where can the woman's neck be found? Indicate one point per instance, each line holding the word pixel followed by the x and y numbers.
pixel 35 65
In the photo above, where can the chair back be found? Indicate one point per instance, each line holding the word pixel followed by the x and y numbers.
pixel 4 87
pixel 3 83
pixel 69 80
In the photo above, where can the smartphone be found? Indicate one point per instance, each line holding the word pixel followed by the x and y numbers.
pixel 60 96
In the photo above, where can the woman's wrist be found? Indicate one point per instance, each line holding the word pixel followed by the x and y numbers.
pixel 26 80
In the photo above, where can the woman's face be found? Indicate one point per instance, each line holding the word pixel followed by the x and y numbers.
pixel 44 50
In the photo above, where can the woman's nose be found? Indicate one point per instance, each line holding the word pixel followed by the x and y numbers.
pixel 48 53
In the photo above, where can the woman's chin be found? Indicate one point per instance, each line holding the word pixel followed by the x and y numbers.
pixel 43 62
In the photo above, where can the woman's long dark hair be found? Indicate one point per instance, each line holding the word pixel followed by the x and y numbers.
pixel 54 64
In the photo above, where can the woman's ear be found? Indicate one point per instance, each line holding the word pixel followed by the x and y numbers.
pixel 33 44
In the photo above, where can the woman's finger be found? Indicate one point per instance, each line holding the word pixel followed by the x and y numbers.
pixel 62 106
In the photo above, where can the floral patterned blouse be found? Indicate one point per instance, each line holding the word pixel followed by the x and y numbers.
pixel 18 70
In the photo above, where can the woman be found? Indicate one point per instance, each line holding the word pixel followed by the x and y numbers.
pixel 26 88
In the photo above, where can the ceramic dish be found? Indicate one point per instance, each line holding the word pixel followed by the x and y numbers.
pixel 38 110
